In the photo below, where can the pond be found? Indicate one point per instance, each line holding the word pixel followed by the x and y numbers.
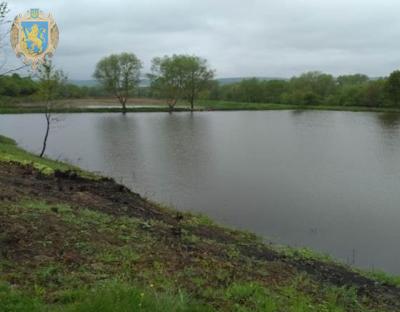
pixel 326 180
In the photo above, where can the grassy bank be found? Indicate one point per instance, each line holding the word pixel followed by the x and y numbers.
pixel 38 110
pixel 79 106
pixel 227 105
pixel 73 241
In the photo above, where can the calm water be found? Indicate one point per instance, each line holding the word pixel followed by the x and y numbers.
pixel 326 180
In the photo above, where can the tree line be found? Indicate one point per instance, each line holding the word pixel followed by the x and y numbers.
pixel 173 78
pixel 186 78
pixel 14 88
pixel 315 88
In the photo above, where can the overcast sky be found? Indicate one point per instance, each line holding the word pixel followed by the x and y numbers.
pixel 277 38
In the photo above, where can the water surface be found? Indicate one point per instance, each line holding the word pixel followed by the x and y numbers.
pixel 326 180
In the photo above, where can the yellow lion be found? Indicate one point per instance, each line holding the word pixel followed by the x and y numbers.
pixel 33 36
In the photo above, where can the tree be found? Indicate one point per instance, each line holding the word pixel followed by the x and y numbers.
pixel 374 93
pixel 51 82
pixel 180 77
pixel 314 86
pixel 251 90
pixel 356 79
pixel 119 74
pixel 273 90
pixel 350 95
pixel 199 77
pixel 392 87
pixel 167 79
pixel 4 36
pixel 3 12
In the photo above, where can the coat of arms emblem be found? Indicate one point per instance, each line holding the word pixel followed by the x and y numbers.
pixel 34 36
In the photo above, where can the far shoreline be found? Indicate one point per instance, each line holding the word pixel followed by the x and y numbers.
pixel 157 106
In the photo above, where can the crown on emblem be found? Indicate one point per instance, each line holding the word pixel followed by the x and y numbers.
pixel 35 13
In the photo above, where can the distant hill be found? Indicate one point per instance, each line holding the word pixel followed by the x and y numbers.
pixel 84 83
pixel 146 82
pixel 226 81
pixel 93 83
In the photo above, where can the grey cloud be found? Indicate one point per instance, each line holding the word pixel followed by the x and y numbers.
pixel 239 38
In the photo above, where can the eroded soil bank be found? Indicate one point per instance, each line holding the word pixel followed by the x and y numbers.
pixel 60 230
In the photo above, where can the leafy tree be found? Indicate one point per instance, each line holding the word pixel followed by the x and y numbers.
pixel 71 91
pixel 313 88
pixel 349 95
pixel 374 94
pixel 214 91
pixel 392 87
pixel 320 85
pixel 231 92
pixel 310 98
pixel 16 86
pixel 119 74
pixel 198 79
pixel 167 78
pixel 27 86
pixel 251 90
pixel 51 81
pixel 180 77
pixel 273 90
pixel 10 87
pixel 356 79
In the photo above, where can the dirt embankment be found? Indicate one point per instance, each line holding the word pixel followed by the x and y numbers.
pixel 23 182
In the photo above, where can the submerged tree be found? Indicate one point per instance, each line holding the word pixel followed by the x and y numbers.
pixel 51 81
pixel 180 77
pixel 119 74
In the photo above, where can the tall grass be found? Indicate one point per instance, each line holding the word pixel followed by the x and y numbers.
pixel 110 297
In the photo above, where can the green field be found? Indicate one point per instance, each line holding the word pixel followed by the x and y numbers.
pixel 201 105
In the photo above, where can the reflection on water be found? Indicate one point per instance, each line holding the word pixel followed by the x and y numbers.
pixel 389 120
pixel 327 180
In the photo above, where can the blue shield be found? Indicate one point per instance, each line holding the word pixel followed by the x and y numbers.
pixel 35 36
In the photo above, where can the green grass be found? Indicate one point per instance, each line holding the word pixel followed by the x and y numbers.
pixel 201 105
pixel 112 284
pixel 113 296
pixel 37 110
pixel 119 296
pixel 249 297
pixel 231 105
pixel 303 253
pixel 382 277
pixel 10 152
pixel 16 301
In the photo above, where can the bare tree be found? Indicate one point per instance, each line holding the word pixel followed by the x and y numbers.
pixel 4 35
pixel 50 83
